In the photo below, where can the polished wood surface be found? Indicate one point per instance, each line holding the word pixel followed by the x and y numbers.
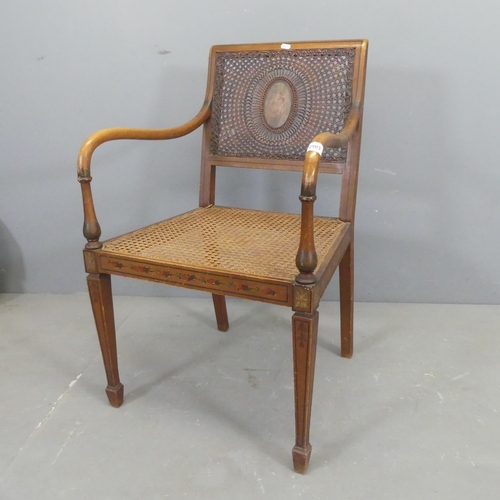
pixel 91 228
pixel 346 275
pixel 221 312
pixel 305 336
pixel 276 104
pixel 114 134
pixel 102 305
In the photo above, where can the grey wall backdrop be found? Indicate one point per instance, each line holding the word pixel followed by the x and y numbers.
pixel 427 217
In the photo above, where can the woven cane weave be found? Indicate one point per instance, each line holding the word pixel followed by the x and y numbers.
pixel 246 242
pixel 318 99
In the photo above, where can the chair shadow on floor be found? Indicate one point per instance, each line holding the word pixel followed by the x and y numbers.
pixel 236 316
pixel 233 416
pixel 12 268
pixel 222 341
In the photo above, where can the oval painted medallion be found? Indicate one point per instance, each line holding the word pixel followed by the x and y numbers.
pixel 278 103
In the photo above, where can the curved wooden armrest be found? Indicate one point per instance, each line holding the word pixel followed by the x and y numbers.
pixel 306 259
pixel 113 134
pixel 91 228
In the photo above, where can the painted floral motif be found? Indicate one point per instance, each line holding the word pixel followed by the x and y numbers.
pixel 301 299
pixel 303 331
pixel 188 277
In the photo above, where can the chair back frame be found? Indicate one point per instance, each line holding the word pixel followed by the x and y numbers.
pixel 347 166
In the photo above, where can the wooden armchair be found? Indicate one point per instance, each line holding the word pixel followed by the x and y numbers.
pixel 268 106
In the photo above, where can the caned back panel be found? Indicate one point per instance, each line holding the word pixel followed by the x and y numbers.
pixel 268 103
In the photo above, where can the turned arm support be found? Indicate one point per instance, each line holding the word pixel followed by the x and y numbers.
pixel 91 229
pixel 306 259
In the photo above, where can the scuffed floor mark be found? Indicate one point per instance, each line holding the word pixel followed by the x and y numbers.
pixel 471 461
pixel 42 422
pixel 225 376
pixel 385 171
pixel 68 438
pixel 458 377
pixel 162 52
pixel 140 373
pixel 73 382
pixel 54 406
pixel 253 381
pixel 64 445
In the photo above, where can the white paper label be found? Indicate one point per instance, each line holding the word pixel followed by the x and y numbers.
pixel 317 147
pixel 285 46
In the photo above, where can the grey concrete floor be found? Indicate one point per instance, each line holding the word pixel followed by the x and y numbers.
pixel 414 415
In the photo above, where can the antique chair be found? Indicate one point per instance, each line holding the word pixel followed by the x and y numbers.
pixel 267 106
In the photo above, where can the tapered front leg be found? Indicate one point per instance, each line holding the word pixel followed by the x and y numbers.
pixel 220 312
pixel 305 336
pixel 102 305
pixel 346 276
